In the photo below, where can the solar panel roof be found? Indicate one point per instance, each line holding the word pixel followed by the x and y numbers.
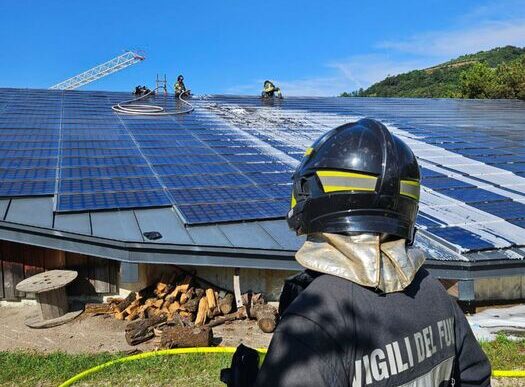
pixel 232 158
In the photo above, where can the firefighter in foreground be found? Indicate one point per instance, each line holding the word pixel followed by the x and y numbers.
pixel 365 312
pixel 270 90
pixel 180 87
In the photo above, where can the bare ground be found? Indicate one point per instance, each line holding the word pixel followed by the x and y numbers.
pixel 88 334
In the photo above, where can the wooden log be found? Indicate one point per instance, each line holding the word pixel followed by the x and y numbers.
pixel 202 312
pixel 191 305
pixel 98 309
pixel 199 293
pixel 142 330
pixel 210 295
pixel 158 304
pixel 161 288
pixel 226 304
pixel 258 298
pixel 187 315
pixel 114 300
pixel 212 303
pixel 174 307
pixel 142 311
pixel 133 306
pixel 186 337
pixel 121 315
pixel 239 315
pixel 186 296
pixel 121 306
pixel 133 314
pixel 266 316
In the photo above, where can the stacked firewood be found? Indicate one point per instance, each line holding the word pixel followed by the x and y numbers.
pixel 182 313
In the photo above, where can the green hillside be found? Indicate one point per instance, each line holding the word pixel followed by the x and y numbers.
pixel 497 73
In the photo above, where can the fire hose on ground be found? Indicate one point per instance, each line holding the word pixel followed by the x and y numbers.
pixel 145 355
pixel 180 351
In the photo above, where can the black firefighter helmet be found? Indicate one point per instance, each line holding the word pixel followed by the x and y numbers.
pixel 357 178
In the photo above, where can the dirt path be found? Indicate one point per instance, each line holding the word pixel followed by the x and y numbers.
pixel 100 334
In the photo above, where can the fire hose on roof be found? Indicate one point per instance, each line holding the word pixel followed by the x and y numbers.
pixel 131 108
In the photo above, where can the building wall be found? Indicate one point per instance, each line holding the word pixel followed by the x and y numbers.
pixel 269 282
pixel 19 261
pixel 98 276
pixel 500 288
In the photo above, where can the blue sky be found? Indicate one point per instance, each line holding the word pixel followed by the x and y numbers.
pixel 307 47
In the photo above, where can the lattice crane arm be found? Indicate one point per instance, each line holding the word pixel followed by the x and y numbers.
pixel 111 66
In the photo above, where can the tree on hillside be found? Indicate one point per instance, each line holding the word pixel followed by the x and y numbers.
pixel 479 81
pixel 511 77
pixel 497 73
pixel 505 81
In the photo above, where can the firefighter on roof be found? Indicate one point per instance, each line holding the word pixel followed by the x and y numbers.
pixel 269 90
pixel 180 87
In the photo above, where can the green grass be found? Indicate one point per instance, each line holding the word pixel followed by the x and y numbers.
pixel 505 354
pixel 37 369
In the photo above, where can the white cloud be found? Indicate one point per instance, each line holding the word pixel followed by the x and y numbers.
pixel 344 75
pixel 484 27
pixel 452 43
pixel 350 74
pixel 364 70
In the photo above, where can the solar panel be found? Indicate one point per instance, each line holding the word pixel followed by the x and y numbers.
pixel 27 174
pixel 233 157
pixel 27 163
pixel 443 183
pixel 507 209
pixel 109 185
pixel 473 195
pixel 194 169
pixel 117 171
pixel 101 161
pixel 27 188
pixel 204 181
pixel 210 213
pixel 115 200
pixel 463 238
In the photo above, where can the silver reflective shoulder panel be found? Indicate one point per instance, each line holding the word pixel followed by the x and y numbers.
pixel 437 375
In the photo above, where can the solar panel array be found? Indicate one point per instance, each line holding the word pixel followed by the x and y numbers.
pixel 232 158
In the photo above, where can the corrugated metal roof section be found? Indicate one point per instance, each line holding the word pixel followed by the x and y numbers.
pixel 471 153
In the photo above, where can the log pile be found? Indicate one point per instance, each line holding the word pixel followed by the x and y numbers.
pixel 180 313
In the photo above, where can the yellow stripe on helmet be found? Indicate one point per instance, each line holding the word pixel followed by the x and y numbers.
pixel 336 181
pixel 410 188
pixel 294 201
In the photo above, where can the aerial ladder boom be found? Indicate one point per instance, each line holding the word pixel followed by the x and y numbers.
pixel 116 64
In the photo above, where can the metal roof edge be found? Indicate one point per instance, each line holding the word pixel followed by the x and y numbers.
pixel 148 252
pixel 135 252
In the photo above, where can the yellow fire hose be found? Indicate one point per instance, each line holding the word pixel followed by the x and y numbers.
pixel 145 355
pixel 180 351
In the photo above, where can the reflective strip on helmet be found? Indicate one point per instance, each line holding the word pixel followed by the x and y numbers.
pixel 333 181
pixel 409 188
pixel 308 151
